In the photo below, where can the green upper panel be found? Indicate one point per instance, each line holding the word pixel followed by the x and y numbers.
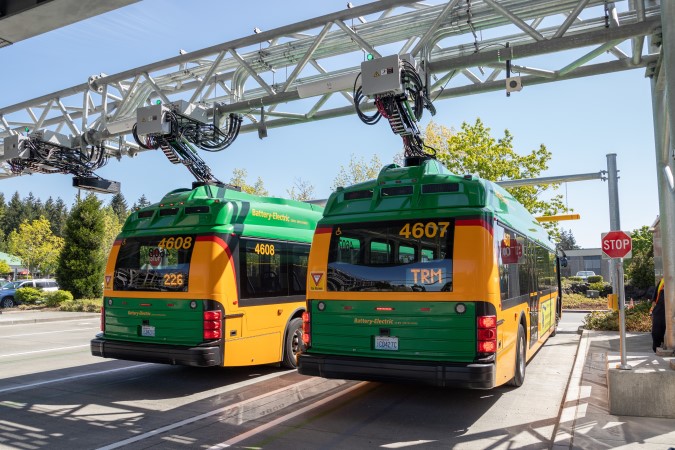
pixel 217 209
pixel 424 190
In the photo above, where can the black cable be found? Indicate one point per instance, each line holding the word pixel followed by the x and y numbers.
pixel 358 97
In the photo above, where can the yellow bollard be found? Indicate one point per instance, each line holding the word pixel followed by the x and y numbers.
pixel 613 302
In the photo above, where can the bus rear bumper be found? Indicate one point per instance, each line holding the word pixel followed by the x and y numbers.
pixel 473 376
pixel 205 356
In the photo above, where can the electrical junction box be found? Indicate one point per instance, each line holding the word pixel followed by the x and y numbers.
pixel 13 148
pixel 194 111
pixel 152 120
pixel 51 137
pixel 383 75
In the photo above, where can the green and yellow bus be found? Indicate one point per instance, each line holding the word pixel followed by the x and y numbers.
pixel 209 276
pixel 429 277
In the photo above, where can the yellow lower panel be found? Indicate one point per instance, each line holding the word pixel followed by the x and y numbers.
pixel 263 349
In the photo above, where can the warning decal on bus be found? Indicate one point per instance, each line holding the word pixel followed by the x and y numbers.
pixel 319 281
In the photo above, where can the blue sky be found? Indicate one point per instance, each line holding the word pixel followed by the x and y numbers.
pixel 579 121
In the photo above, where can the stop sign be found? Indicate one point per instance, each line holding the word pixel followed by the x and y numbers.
pixel 617 244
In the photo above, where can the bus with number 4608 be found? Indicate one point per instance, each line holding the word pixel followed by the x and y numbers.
pixel 209 276
pixel 428 277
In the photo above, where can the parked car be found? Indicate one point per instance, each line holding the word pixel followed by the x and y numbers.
pixel 584 274
pixel 8 291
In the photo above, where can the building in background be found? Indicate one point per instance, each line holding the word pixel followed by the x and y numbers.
pixel 14 263
pixel 586 259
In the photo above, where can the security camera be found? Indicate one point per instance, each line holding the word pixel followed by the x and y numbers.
pixel 513 84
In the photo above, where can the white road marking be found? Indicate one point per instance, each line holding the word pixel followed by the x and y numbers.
pixel 73 377
pixel 234 406
pixel 283 419
pixel 42 351
pixel 46 332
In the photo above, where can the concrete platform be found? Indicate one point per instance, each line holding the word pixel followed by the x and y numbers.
pixel 586 422
pixel 645 390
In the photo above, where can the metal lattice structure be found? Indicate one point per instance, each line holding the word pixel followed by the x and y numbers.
pixel 258 75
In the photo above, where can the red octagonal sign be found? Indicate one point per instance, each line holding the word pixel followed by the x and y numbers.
pixel 617 244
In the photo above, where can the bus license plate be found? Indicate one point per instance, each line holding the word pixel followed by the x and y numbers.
pixel 147 330
pixel 386 343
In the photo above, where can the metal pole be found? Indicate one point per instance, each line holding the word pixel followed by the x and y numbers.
pixel 622 316
pixel 666 208
pixel 616 265
pixel 614 219
pixel 667 165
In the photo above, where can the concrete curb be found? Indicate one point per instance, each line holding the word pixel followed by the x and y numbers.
pixel 4 320
pixel 564 435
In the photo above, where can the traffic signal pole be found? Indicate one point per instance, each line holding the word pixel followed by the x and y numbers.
pixel 616 264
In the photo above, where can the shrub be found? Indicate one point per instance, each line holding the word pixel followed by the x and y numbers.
pixel 594 279
pixel 575 279
pixel 640 271
pixel 603 288
pixel 579 301
pixel 29 296
pixel 637 319
pixel 82 305
pixel 55 298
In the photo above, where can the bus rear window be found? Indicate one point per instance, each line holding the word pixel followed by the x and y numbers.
pixel 401 256
pixel 154 263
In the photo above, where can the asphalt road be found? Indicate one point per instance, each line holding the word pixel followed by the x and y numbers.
pixel 54 394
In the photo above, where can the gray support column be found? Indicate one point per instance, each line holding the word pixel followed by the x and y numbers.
pixel 614 216
pixel 664 130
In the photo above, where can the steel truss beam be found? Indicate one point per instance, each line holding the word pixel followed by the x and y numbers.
pixel 244 75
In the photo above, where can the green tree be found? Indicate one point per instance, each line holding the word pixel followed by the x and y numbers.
pixel 15 214
pixel 36 245
pixel 472 150
pixel 567 240
pixel 34 207
pixel 301 190
pixel 239 179
pixel 111 226
pixel 4 267
pixel 640 268
pixel 82 261
pixel 57 213
pixel 119 207
pixel 643 241
pixel 142 202
pixel 3 209
pixel 357 171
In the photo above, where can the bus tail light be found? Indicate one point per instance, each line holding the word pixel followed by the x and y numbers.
pixel 487 334
pixel 306 328
pixel 102 319
pixel 212 325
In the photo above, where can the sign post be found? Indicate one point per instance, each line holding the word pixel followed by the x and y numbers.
pixel 618 245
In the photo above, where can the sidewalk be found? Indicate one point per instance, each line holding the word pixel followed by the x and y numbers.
pixel 585 421
pixel 11 317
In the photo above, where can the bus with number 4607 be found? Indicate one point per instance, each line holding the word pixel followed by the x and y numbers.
pixel 428 277
pixel 209 276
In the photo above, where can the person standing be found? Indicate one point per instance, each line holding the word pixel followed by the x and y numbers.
pixel 658 313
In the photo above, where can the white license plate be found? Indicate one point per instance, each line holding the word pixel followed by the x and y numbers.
pixel 147 330
pixel 386 343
